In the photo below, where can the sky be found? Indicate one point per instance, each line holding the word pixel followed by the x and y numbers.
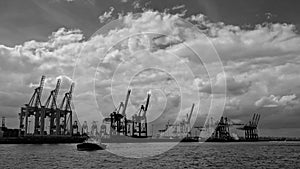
pixel 249 57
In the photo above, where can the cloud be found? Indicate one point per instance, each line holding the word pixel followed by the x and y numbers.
pixel 275 101
pixel 136 4
pixel 107 15
pixel 26 63
pixel 233 87
pixel 178 7
pixel 261 64
pixel 66 82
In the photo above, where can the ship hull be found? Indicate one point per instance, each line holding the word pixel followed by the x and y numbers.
pixel 42 139
pixel 90 147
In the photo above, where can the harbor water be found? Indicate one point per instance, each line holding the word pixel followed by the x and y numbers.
pixel 183 155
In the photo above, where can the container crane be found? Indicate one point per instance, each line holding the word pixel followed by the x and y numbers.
pixel 118 119
pixel 139 121
pixel 51 108
pixel 34 108
pixel 65 113
pixel 251 132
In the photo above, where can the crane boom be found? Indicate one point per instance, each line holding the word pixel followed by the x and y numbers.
pixel 39 91
pixel 57 88
pixel 190 116
pixel 42 85
pixel 141 109
pixel 69 96
pixel 119 108
pixel 257 119
pixel 126 102
pixel 71 92
pixel 148 100
pixel 55 93
pixel 253 119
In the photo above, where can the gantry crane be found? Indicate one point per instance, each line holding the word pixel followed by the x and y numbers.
pixel 65 113
pixel 251 132
pixel 51 108
pixel 34 108
pixel 139 121
pixel 118 120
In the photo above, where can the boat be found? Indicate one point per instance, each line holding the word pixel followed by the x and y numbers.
pixel 90 146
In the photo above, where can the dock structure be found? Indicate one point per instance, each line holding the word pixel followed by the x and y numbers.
pixel 117 126
pixel 60 117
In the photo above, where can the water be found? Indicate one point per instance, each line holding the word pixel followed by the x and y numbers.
pixel 184 155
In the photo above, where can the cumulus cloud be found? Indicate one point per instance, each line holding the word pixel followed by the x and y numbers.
pixel 136 4
pixel 178 7
pixel 107 15
pixel 26 63
pixel 274 101
pixel 232 86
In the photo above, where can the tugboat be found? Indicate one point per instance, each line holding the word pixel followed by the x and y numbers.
pixel 91 145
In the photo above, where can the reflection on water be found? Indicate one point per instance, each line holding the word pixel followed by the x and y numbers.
pixel 188 155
